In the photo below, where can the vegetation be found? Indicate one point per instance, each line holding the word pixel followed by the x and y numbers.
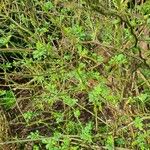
pixel 75 74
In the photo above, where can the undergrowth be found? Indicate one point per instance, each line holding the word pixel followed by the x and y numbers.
pixel 75 74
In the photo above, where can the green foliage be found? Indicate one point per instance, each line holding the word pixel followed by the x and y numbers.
pixel 77 113
pixel 28 116
pixel 69 101
pixel 52 143
pixel 42 51
pixel 36 147
pixel 47 6
pixel 34 135
pixel 121 5
pixel 138 123
pixel 140 141
pixel 145 8
pixel 6 66
pixel 143 98
pixel 118 60
pixel 82 79
pixel 75 32
pixel 110 143
pixel 4 40
pixel 8 99
pixel 101 93
pixel 86 133
pixel 120 142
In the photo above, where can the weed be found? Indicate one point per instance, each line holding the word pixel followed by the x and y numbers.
pixel 75 74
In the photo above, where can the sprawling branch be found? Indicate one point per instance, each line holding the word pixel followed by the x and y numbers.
pixel 100 8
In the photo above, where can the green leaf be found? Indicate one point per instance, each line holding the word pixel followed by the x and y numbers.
pixel 34 135
pixel 143 97
pixel 110 143
pixel 138 123
pixel 69 101
pixel 77 113
pixel 42 50
pixel 2 92
pixel 59 117
pixel 4 40
pixel 29 115
pixel 8 99
pixel 118 60
pixel 86 133
pixel 47 6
